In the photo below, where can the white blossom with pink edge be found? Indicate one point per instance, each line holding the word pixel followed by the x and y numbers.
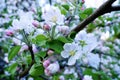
pixel 53 67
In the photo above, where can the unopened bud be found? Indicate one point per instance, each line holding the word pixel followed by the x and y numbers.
pixel 53 67
pixel 63 29
pixel 9 32
pixel 46 63
pixel 50 52
pixel 35 23
pixel 46 27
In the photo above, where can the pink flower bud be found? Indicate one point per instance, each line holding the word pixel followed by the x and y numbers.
pixel 46 63
pixel 35 23
pixel 50 52
pixel 46 27
pixel 9 32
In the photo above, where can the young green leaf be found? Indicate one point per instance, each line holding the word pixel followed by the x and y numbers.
pixel 13 52
pixel 12 68
pixel 88 11
pixel 65 6
pixel 36 70
pixel 63 39
pixel 41 37
pixel 55 45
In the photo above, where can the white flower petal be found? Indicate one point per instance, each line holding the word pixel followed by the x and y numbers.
pixel 77 55
pixel 71 60
pixel 64 54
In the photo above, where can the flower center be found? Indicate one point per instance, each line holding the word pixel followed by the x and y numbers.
pixel 54 19
pixel 82 43
pixel 72 53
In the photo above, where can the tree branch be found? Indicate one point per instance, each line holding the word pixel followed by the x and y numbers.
pixel 115 8
pixel 25 72
pixel 104 8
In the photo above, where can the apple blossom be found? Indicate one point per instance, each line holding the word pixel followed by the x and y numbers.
pixel 53 16
pixel 16 41
pixel 71 51
pixel 93 60
pixel 53 67
pixel 105 36
pixel 25 22
pixel 88 41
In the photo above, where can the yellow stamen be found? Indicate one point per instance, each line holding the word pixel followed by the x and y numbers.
pixel 72 53
pixel 54 19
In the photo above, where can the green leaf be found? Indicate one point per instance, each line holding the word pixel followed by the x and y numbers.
pixel 63 11
pixel 63 39
pixel 42 54
pixel 72 35
pixel 88 11
pixel 65 6
pixel 91 27
pixel 55 77
pixel 40 40
pixel 83 16
pixel 12 68
pixel 36 70
pixel 55 45
pixel 90 72
pixel 38 78
pixel 13 52
pixel 28 59
pixel 41 37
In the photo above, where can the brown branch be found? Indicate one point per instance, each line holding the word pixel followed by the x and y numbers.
pixel 115 8
pixel 25 72
pixel 104 8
